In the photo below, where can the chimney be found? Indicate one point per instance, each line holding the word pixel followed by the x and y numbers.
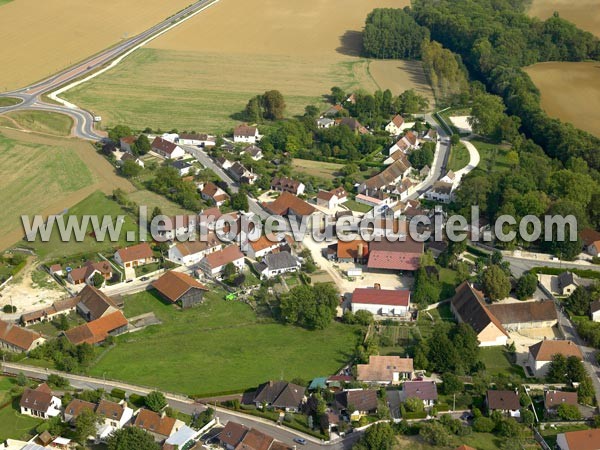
pixel 377 286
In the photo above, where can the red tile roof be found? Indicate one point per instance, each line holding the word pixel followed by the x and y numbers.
pixel 163 146
pixel 398 255
pixel 97 330
pixel 584 439
pixel 287 203
pixel 16 336
pixel 173 285
pixel 389 297
pixel 224 257
pixel 244 130
pixel 135 252
pixel 544 350
pixel 553 399
pixel 350 249
pixel 154 422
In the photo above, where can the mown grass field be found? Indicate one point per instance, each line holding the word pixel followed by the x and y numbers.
pixel 493 156
pixel 219 346
pixel 12 424
pixel 480 441
pixel 150 199
pixel 322 169
pixel 8 101
pixel 459 157
pixel 43 122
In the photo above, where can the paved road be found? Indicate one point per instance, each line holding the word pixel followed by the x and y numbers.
pixel 31 96
pixel 520 265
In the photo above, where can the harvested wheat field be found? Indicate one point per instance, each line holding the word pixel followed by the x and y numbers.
pixel 570 92
pixel 39 38
pixel 583 13
pixel 44 175
pixel 200 73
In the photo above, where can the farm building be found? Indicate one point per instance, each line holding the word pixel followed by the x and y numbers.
pixel 59 307
pixel 381 302
pixel 402 255
pixel 180 288
pixel 97 331
pixel 14 338
pixel 521 315
pixel 356 251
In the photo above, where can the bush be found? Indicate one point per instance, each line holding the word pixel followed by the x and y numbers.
pixel 58 381
pixel 118 393
pixel 9 309
pixel 483 425
pixel 137 400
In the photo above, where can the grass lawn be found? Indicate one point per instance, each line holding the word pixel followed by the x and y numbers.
pixel 44 122
pixel 321 169
pixel 497 363
pixel 493 156
pixel 459 157
pixel 12 424
pixel 358 207
pixel 8 101
pixel 48 329
pixel 219 346
pixel 480 441
pixel 96 204
pixel 144 197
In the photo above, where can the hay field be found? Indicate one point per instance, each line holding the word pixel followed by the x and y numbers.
pixel 583 13
pixel 45 122
pixel 322 169
pixel 39 38
pixel 200 73
pixel 570 92
pixel 45 175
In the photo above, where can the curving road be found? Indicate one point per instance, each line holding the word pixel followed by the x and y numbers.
pixel 31 96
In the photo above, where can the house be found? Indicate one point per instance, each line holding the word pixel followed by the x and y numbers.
pixel 240 174
pixel 275 264
pixel 167 149
pixel 188 253
pixel 441 191
pixel 126 142
pixel 394 127
pixel 134 256
pixel 168 229
pixel 424 172
pixel 331 199
pixel 40 402
pixel 522 315
pixel 385 370
pixel 426 391
pixel 158 425
pixel 183 167
pixel 595 310
pixel 430 135
pixel 391 175
pixel 246 134
pixel 579 440
pixel 289 205
pixel 279 395
pixel 254 152
pixel 568 282
pixel 402 255
pixel 591 241
pixel 201 140
pixel 214 263
pixel 353 124
pixel 285 184
pixel 333 111
pixel 113 416
pixel 408 142
pixel 264 245
pixel 86 273
pixel 57 308
pixel 468 306
pixel 180 288
pixel 325 122
pixel 130 157
pixel 223 162
pixel 256 440
pixel 553 399
pixel 96 331
pixel 507 402
pixel 14 338
pixel 356 403
pixel 232 434
pixel 355 251
pixel 76 407
pixel 381 302
pixel 540 354
pixel 93 304
pixel 213 193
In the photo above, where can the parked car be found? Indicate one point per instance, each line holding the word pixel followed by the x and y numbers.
pixel 300 441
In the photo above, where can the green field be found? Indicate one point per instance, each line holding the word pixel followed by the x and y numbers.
pixel 493 156
pixel 497 363
pixel 480 441
pixel 358 207
pixel 150 199
pixel 200 91
pixel 219 346
pixel 43 122
pixel 459 157
pixel 96 204
pixel 12 424
pixel 8 101
pixel 322 169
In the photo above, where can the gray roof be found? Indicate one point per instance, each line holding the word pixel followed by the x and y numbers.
pixel 423 390
pixel 280 394
pixel 567 278
pixel 181 164
pixel 281 260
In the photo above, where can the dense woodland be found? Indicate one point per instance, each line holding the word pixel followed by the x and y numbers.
pixel 554 165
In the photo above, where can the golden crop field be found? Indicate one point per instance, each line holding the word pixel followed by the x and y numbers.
pixel 570 92
pixel 583 13
pixel 200 73
pixel 41 37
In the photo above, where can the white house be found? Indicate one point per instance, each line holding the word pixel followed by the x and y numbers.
pixel 540 354
pixel 201 140
pixel 245 133
pixel 176 226
pixel 408 142
pixel 595 310
pixel 213 193
pixel 214 263
pixel 264 245
pixel 325 122
pixel 114 416
pixel 395 126
pixel 134 256
pixel 189 253
pixel 40 402
pixel 441 191
pixel 183 167
pixel 331 199
pixel 275 264
pixel 167 149
pixel 381 302
pixel 254 152
pixel 426 391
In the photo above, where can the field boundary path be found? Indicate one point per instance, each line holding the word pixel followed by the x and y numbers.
pixel 474 160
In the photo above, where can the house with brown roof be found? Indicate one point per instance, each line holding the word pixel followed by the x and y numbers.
pixel 245 134
pixel 289 205
pixel 254 152
pixel 242 175
pixel 134 256
pixel 591 241
pixel 385 370
pixel 579 440
pixel 57 308
pixel 75 408
pixel 114 416
pixel 14 338
pixel 97 331
pixel 126 142
pixel 85 274
pixel 468 306
pixel 167 149
pixel 213 193
pixel 40 402
pixel 355 251
pixel 409 141
pixel 93 304
pixel 180 288
pixel 391 175
pixel 255 440
pixel 381 302
pixel 356 403
pixel 553 399
pixel 353 124
pixel 232 434
pixel 394 127
pixel 332 199
pixel 426 391
pixel 402 255
pixel 507 402
pixel 264 245
pixel 159 426
pixel 517 316
pixel 279 395
pixel 285 184
pixel 540 354
pixel 213 264
pixel 189 253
